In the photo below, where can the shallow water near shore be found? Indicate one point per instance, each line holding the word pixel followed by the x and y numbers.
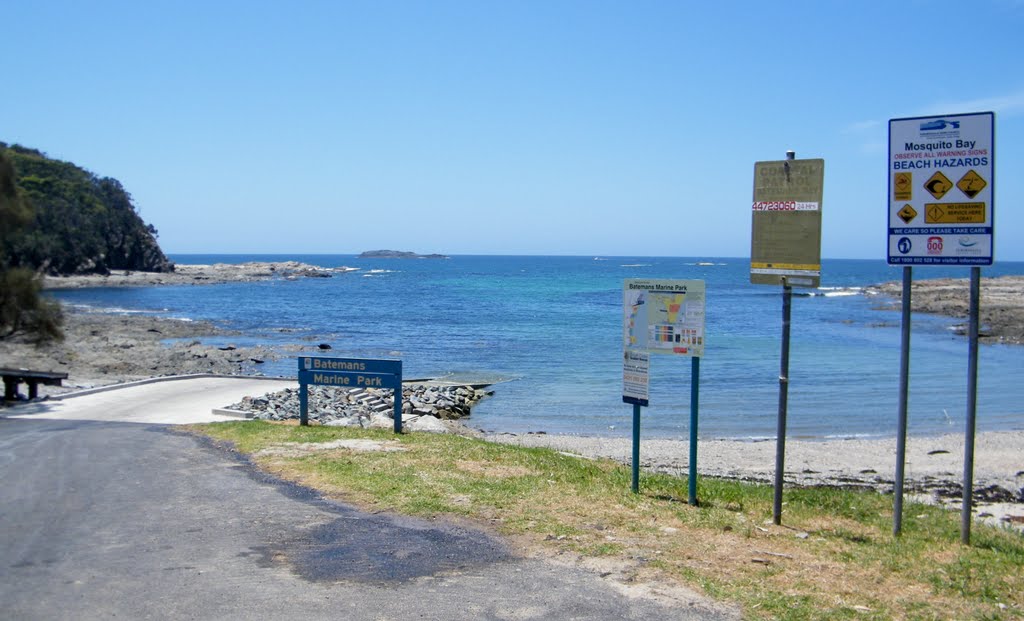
pixel 549 331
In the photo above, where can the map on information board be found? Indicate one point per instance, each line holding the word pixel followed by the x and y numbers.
pixel 664 316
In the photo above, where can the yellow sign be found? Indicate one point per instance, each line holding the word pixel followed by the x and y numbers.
pixel 971 184
pixel 938 184
pixel 807 267
pixel 907 214
pixel 902 184
pixel 954 213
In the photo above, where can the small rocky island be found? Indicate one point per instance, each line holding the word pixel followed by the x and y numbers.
pixel 398 254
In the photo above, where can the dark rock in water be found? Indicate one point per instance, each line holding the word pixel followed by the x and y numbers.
pixel 398 254
pixel 324 346
pixel 227 348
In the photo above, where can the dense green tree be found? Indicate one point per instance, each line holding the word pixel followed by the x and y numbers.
pixel 81 224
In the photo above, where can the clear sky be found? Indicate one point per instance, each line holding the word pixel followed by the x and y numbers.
pixel 502 127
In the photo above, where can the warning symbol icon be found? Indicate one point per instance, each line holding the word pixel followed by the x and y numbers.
pixel 901 186
pixel 938 184
pixel 971 184
pixel 907 214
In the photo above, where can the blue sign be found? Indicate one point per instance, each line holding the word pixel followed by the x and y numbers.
pixel 309 363
pixel 349 373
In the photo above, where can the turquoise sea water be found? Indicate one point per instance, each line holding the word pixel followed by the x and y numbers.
pixel 549 330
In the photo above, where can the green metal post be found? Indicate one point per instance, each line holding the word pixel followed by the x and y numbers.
pixel 636 449
pixel 694 398
pixel 303 404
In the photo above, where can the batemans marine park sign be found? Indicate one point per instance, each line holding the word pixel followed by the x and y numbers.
pixel 350 373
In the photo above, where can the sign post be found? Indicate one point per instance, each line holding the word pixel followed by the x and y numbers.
pixel 941 211
pixel 785 249
pixel 664 317
pixel 350 373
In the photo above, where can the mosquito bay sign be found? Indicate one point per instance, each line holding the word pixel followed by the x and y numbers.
pixel 785 247
pixel 941 189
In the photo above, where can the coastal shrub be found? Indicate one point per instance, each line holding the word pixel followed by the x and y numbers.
pixel 24 310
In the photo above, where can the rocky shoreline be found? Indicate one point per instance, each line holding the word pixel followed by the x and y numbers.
pixel 216 273
pixel 1001 311
pixel 104 348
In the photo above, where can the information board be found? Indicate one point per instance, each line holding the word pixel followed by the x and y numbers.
pixel 636 367
pixel 785 240
pixel 941 189
pixel 664 316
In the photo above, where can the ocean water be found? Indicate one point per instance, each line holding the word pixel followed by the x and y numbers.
pixel 548 332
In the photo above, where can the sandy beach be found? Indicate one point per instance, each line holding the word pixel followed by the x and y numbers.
pixel 934 465
pixel 102 348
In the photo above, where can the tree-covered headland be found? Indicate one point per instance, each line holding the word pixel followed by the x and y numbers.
pixel 59 219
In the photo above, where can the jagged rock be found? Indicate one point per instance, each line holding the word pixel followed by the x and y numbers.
pixel 426 423
pixel 380 421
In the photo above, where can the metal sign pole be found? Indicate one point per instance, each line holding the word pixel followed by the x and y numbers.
pixel 399 401
pixel 901 434
pixel 636 449
pixel 303 402
pixel 972 398
pixel 694 398
pixel 780 431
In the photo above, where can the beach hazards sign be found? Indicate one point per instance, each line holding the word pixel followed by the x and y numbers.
pixel 941 190
pixel 785 241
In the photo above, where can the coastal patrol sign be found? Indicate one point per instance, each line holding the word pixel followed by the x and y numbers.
pixel 941 189
pixel 785 241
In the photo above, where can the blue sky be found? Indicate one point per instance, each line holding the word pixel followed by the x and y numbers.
pixel 480 127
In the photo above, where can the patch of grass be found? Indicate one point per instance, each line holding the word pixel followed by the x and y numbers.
pixel 834 557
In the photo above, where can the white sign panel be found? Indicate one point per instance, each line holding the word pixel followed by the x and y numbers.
pixel 664 316
pixel 941 189
pixel 636 366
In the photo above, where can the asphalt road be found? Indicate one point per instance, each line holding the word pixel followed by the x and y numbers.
pixel 107 512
